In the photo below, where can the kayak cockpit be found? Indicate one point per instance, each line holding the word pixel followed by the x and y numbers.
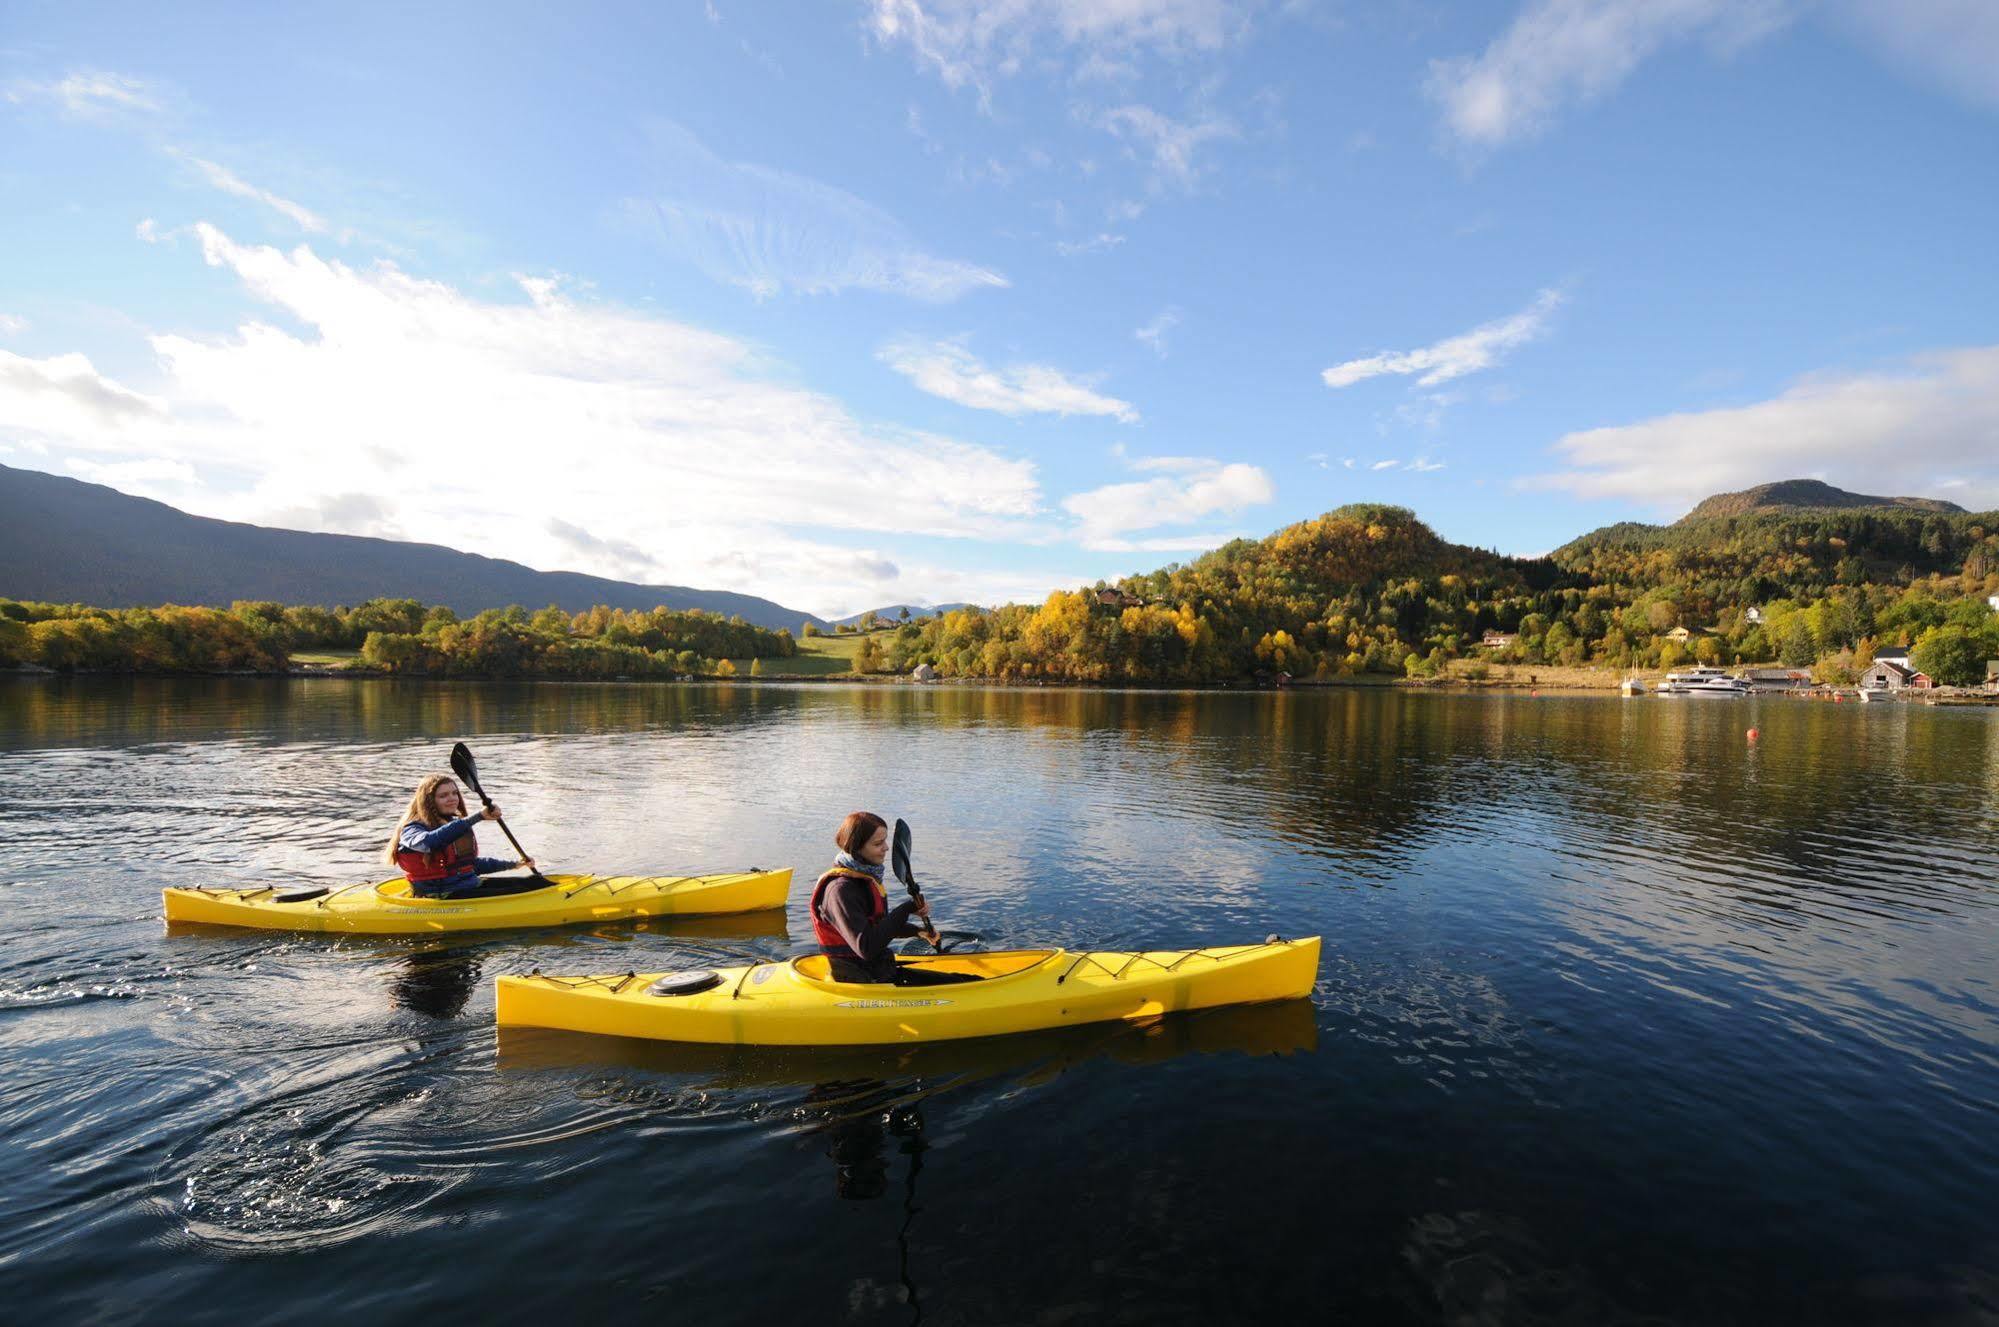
pixel 399 892
pixel 985 967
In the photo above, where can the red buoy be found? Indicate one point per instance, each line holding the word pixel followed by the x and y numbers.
pixel 1752 734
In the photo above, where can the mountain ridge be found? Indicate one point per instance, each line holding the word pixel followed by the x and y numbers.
pixel 71 541
pixel 1803 494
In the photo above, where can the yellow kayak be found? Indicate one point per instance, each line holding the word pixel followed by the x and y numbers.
pixel 389 908
pixel 1274 1028
pixel 796 1003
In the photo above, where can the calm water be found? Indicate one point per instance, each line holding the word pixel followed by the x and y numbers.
pixel 1621 1018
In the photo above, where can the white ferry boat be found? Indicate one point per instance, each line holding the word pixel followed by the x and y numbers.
pixel 1703 682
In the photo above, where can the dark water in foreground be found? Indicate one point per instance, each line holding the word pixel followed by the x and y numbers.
pixel 1620 1019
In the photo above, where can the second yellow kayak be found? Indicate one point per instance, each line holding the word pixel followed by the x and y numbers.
pixel 795 1003
pixel 388 908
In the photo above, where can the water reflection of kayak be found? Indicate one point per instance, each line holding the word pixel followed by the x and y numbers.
pixel 1283 1027
pixel 795 1003
pixel 388 908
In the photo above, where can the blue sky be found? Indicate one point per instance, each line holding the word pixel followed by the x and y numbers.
pixel 855 303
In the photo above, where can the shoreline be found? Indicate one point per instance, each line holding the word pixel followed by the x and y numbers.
pixel 1502 678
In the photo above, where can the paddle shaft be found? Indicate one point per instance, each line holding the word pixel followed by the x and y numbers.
pixel 462 766
pixel 899 847
pixel 487 801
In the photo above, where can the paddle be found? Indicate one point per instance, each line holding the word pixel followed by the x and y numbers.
pixel 900 856
pixel 467 769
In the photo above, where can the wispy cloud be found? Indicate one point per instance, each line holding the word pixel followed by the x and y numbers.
pixel 1097 243
pixel 771 231
pixel 231 183
pixel 949 370
pixel 1954 43
pixel 1190 489
pixel 1170 145
pixel 1455 356
pixel 12 324
pixel 1876 431
pixel 91 94
pixel 1562 52
pixel 383 365
pixel 1154 333
pixel 975 43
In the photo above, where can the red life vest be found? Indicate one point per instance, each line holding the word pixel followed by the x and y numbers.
pixel 824 931
pixel 454 858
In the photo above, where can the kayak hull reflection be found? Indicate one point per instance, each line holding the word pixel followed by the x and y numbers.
pixel 388 908
pixel 794 1003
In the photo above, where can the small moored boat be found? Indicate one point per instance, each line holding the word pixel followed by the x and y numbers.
pixel 389 908
pixel 796 1003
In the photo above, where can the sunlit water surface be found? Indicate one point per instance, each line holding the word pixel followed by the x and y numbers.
pixel 1622 1017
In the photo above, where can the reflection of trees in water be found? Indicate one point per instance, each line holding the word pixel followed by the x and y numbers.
pixel 118 711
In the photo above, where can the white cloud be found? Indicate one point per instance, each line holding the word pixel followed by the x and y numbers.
pixel 1096 244
pixel 91 94
pixel 1154 333
pixel 770 231
pixel 1424 465
pixel 1953 42
pixel 41 394
pixel 949 370
pixel 1384 465
pixel 1171 143
pixel 231 183
pixel 974 43
pixel 1455 356
pixel 1192 490
pixel 1191 543
pixel 1876 432
pixel 657 437
pixel 1559 52
pixel 12 324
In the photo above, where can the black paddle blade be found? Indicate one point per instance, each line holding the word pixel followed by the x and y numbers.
pixel 900 855
pixel 466 768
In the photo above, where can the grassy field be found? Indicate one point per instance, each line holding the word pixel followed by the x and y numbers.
pixel 818 656
pixel 325 658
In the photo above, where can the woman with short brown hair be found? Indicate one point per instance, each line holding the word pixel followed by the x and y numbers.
pixel 850 913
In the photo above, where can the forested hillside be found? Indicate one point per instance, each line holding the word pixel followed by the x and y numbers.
pixel 1371 589
pixel 390 635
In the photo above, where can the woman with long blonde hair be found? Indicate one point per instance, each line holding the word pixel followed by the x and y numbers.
pixel 436 848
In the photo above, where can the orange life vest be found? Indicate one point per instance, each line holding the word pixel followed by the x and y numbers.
pixel 829 937
pixel 454 858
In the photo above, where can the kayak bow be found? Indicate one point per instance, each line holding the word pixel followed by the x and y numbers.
pixel 795 1002
pixel 389 908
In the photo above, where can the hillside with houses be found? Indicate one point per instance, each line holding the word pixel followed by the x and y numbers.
pixel 1809 582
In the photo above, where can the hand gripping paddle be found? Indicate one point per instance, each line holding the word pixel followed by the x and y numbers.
pixel 467 769
pixel 899 855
